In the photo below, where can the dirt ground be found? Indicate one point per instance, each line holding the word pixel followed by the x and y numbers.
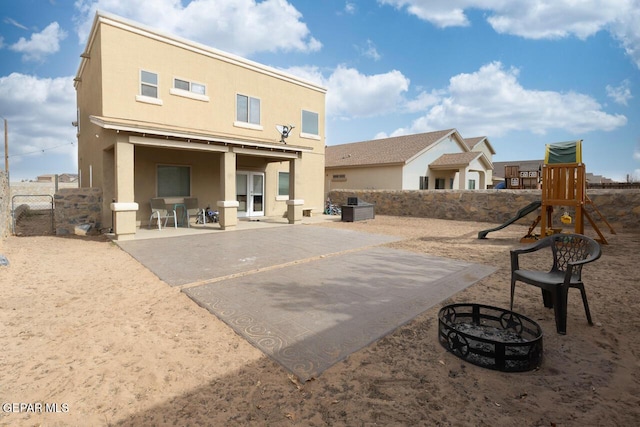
pixel 90 337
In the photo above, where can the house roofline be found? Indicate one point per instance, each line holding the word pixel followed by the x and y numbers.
pixel 452 133
pixel 143 30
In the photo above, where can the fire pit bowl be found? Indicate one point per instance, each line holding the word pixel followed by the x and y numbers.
pixel 490 337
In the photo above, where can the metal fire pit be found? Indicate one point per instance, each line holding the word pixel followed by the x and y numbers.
pixel 490 337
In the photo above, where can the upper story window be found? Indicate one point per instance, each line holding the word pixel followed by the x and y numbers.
pixel 189 89
pixel 149 88
pixel 310 127
pixel 247 112
pixel 148 84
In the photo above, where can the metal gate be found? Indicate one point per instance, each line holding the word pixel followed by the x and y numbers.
pixel 32 214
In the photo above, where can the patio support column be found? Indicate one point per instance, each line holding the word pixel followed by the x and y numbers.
pixel 124 208
pixel 294 204
pixel 228 206
pixel 483 180
pixel 462 180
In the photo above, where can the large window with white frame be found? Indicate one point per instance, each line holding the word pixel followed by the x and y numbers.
pixel 149 88
pixel 310 126
pixel 174 181
pixel 189 89
pixel 247 111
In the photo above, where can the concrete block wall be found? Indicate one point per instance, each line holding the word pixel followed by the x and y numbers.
pixel 621 208
pixel 78 207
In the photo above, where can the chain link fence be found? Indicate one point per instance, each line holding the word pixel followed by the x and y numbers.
pixel 32 215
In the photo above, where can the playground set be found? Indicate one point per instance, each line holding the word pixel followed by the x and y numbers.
pixel 564 185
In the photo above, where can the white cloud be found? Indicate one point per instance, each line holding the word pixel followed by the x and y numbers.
pixel 350 8
pixel 492 102
pixel 539 19
pixel 242 27
pixel 15 23
pixel 370 51
pixel 351 94
pixel 40 44
pixel 441 13
pixel 423 101
pixel 626 29
pixel 620 94
pixel 39 112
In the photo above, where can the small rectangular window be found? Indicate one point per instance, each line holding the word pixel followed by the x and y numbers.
pixel 181 84
pixel 198 88
pixel 247 109
pixel 187 86
pixel 174 181
pixel 472 184
pixel 439 183
pixel 283 184
pixel 148 84
pixel 310 123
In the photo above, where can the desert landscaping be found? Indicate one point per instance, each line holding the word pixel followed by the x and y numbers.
pixel 100 340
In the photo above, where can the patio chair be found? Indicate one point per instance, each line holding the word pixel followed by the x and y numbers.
pixel 570 252
pixel 191 208
pixel 159 210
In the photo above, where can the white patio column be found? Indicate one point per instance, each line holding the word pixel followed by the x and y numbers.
pixel 462 179
pixel 295 202
pixel 124 208
pixel 228 206
pixel 483 180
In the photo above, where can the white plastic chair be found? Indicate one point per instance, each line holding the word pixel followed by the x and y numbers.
pixel 159 210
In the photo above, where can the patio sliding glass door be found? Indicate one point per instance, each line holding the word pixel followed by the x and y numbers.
pixel 250 194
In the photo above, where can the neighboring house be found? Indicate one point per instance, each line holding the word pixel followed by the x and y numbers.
pixel 45 178
pixel 162 116
pixel 64 177
pixel 519 174
pixel 434 160
pixel 598 179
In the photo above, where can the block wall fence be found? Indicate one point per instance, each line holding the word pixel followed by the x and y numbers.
pixel 621 208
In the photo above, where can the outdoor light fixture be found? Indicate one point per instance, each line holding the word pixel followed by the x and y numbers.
pixel 284 131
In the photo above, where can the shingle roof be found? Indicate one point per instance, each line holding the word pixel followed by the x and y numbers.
pixel 455 159
pixel 393 150
pixel 471 142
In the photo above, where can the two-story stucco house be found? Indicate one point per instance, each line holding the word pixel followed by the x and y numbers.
pixel 162 116
pixel 433 160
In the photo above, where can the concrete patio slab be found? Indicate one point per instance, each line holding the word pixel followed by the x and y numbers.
pixel 311 315
pixel 200 257
pixel 306 296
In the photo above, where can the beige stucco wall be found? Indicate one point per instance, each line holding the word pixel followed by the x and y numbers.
pixel 110 85
pixel 621 208
pixel 379 178
pixel 281 100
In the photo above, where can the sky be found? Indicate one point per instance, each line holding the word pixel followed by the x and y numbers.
pixel 523 73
